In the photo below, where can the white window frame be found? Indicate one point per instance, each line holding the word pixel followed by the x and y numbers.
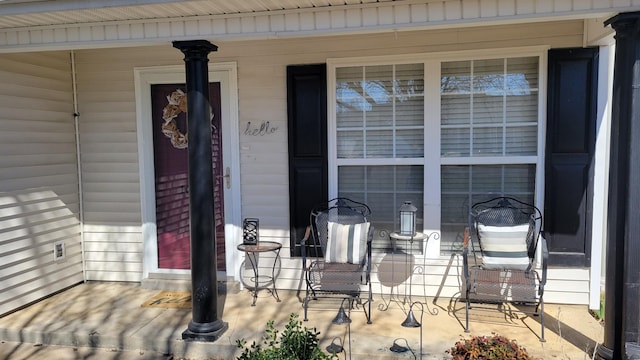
pixel 432 160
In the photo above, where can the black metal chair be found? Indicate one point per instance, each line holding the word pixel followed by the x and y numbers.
pixel 336 253
pixel 499 256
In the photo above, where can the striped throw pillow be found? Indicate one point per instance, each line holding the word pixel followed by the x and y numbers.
pixel 346 243
pixel 504 247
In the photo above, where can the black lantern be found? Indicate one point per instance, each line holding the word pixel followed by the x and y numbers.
pixel 250 231
pixel 408 219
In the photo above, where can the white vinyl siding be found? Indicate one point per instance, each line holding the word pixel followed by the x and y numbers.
pixel 110 169
pixel 39 203
pixel 113 240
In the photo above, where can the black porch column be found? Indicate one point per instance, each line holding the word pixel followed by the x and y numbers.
pixel 622 289
pixel 204 325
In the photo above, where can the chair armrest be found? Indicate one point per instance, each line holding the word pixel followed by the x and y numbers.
pixel 307 235
pixel 368 254
pixel 465 251
pixel 545 257
pixel 303 246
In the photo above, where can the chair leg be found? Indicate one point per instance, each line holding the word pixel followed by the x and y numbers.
pixel 369 301
pixel 466 313
pixel 305 303
pixel 542 320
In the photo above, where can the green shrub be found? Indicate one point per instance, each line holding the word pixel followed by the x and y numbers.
pixel 494 347
pixel 295 343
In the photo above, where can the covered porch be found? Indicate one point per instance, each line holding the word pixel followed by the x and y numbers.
pixel 76 323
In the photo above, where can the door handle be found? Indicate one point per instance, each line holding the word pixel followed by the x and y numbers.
pixel 227 177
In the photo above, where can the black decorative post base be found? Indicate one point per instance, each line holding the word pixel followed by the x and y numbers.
pixel 204 332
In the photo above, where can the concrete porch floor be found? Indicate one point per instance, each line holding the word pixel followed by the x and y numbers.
pixel 106 321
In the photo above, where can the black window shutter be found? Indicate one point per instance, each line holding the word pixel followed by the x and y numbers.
pixel 307 132
pixel 570 145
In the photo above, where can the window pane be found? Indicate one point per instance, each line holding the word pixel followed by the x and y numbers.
pixel 380 114
pixel 464 185
pixel 350 144
pixel 378 91
pixel 522 73
pixel 384 189
pixel 350 102
pixel 378 84
pixel 409 80
pixel 455 142
pixel 409 144
pixel 351 178
pixel 488 109
pixel 522 108
pixel 488 76
pixel 410 111
pixel 457 179
pixel 456 77
pixel 379 143
pixel 455 109
pixel 522 140
pixel 487 141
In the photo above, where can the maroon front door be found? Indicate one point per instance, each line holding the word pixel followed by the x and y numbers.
pixel 169 106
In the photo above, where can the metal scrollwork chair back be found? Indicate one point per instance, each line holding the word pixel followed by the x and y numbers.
pixel 499 256
pixel 336 253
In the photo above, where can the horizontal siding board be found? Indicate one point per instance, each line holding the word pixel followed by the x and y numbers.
pixel 34 213
pixel 92 228
pixel 91 275
pixel 42 251
pixel 110 257
pixel 109 147
pixel 32 260
pixel 47 271
pixel 112 246
pixel 15 240
pixel 36 92
pixel 37 148
pixel 45 73
pixel 55 125
pixel 21 102
pixel 22 172
pixel 108 206
pixel 35 137
pixel 37 114
pixel 116 266
pixel 36 159
pixel 8 199
pixel 32 182
pixel 114 216
pixel 104 186
pixel 111 196
pixel 46 197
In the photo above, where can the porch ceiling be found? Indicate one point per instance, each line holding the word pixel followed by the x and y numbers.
pixel 32 25
pixel 29 13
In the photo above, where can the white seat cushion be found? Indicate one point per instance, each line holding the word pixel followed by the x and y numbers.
pixel 346 243
pixel 504 247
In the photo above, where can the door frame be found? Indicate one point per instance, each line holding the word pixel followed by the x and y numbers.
pixel 226 74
